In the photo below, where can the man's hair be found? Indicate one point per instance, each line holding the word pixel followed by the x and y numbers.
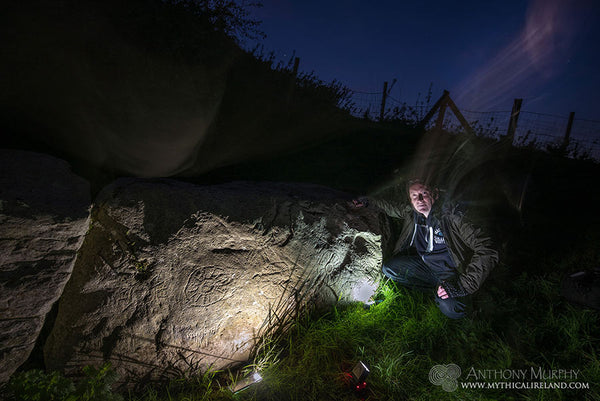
pixel 434 191
pixel 410 183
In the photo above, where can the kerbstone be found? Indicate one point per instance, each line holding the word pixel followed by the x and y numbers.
pixel 174 277
pixel 44 215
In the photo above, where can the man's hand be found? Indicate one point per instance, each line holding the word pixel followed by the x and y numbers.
pixel 442 292
pixel 356 203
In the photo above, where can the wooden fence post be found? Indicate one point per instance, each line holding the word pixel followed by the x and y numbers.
pixel 383 99
pixel 463 121
pixel 296 64
pixel 293 80
pixel 439 124
pixel 441 101
pixel 440 106
pixel 565 143
pixel 514 118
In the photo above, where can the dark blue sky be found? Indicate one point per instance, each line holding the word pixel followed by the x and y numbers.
pixel 486 53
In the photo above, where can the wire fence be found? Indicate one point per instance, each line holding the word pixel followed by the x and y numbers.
pixel 539 130
pixel 368 105
pixel 542 131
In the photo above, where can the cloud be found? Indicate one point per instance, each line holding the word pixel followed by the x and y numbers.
pixel 536 55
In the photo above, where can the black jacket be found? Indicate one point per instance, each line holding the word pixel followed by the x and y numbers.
pixel 471 249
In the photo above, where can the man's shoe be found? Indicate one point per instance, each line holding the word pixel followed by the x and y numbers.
pixel 583 288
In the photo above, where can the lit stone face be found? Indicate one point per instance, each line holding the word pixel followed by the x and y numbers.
pixel 173 275
pixel 44 215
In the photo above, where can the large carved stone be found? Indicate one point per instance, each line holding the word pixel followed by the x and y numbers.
pixel 174 277
pixel 44 215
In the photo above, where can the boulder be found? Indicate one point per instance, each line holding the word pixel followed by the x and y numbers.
pixel 175 278
pixel 44 215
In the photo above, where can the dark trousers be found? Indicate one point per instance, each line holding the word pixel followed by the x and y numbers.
pixel 410 271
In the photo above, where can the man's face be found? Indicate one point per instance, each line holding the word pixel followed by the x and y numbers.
pixel 421 198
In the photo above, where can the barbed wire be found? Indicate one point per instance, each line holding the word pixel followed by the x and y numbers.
pixel 541 130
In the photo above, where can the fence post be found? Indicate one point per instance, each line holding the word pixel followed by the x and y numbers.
pixel 441 101
pixel 440 106
pixel 439 124
pixel 565 143
pixel 293 80
pixel 463 121
pixel 383 99
pixel 296 64
pixel 514 118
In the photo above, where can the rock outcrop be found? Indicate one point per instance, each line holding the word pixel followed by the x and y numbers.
pixel 44 215
pixel 174 277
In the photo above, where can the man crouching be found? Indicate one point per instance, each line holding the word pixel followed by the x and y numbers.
pixel 452 256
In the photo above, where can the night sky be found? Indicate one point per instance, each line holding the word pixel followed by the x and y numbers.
pixel 486 53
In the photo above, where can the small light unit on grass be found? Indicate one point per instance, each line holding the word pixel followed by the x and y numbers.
pixel 246 382
pixel 363 291
pixel 359 376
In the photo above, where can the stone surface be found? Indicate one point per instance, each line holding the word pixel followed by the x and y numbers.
pixel 174 277
pixel 44 215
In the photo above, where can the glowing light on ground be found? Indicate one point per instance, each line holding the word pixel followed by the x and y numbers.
pixel 363 291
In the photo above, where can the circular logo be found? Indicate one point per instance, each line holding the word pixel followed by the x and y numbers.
pixel 445 376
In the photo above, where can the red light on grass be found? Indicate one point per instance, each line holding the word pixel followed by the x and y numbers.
pixel 361 386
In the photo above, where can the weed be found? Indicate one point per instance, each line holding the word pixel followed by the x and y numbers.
pixel 39 385
pixel 140 266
